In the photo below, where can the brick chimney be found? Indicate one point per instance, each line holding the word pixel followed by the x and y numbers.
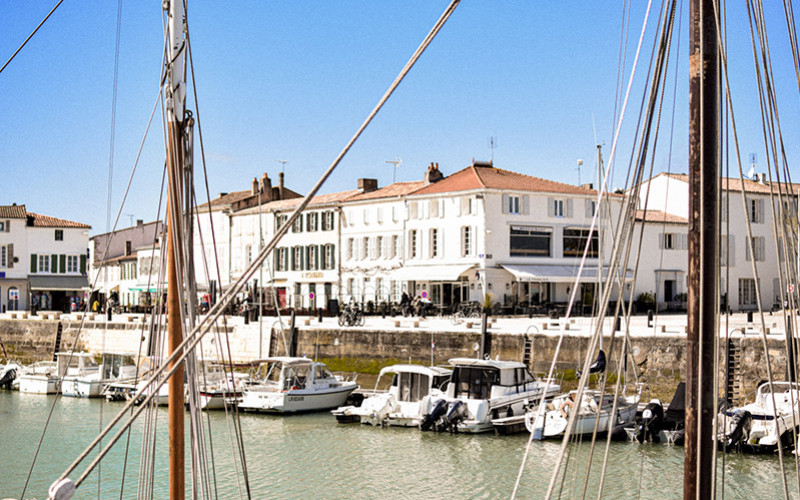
pixel 433 174
pixel 280 186
pixel 367 185
pixel 254 187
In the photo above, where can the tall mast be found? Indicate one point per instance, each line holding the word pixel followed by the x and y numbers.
pixel 175 102
pixel 703 295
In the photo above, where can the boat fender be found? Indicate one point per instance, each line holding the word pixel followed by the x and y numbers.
pixel 61 490
pixel 565 407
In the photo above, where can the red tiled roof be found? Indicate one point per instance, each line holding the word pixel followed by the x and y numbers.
pixel 12 212
pixel 390 191
pixel 480 176
pixel 750 186
pixel 657 216
pixel 38 220
pixel 320 199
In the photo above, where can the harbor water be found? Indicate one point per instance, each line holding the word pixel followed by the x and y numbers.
pixel 310 455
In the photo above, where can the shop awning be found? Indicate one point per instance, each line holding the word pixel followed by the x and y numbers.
pixel 59 283
pixel 553 273
pixel 143 288
pixel 447 272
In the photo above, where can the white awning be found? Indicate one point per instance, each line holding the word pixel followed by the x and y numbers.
pixel 450 272
pixel 59 283
pixel 553 273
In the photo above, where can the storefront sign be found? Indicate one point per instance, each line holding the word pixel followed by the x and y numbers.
pixel 13 294
pixel 312 275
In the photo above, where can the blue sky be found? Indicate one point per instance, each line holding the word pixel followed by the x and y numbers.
pixel 292 80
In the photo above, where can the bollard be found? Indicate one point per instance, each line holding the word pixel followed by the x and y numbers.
pixel 650 315
pixel 109 313
pixel 319 314
pixel 749 316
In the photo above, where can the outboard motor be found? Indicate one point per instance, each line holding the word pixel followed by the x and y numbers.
pixel 741 422
pixel 651 423
pixel 431 418
pixel 7 377
pixel 456 411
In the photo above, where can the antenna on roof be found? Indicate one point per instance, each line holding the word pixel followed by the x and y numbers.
pixel 752 171
pixel 283 164
pixel 492 145
pixel 396 162
pixel 130 216
pixel 580 162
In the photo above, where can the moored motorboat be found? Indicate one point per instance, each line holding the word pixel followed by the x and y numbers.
pixel 80 374
pixel 481 390
pixel 770 421
pixel 409 397
pixel 293 385
pixel 39 378
pixel 8 374
pixel 594 410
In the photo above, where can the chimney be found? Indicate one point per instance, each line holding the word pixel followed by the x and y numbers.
pixel 367 185
pixel 762 178
pixel 587 185
pixel 280 186
pixel 433 174
pixel 254 187
pixel 139 223
pixel 266 183
pixel 221 194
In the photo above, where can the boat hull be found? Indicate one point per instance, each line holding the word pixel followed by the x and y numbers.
pixel 78 388
pixel 38 384
pixel 294 401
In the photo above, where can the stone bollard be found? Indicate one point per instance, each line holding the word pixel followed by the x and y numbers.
pixel 397 323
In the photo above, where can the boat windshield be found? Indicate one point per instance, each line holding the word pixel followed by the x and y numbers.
pixel 322 372
pixel 294 377
pixel 474 382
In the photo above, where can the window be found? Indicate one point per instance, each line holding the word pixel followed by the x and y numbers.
pixel 379 247
pixel 558 208
pixel 727 254
pixel 59 235
pixel 755 207
pixel 350 285
pixel 395 246
pixel 412 210
pixel 280 220
pixel 575 243
pixel 467 243
pixel 297 258
pixel 466 205
pixel 365 248
pixel 297 226
pixel 412 244
pixel 327 257
pixel 248 252
pixel 513 204
pixel 312 222
pixel 282 259
pixel 747 292
pixel 351 244
pixel 2 226
pixel 379 215
pixel 758 246
pixel 434 242
pixel 44 264
pixel 365 215
pixel 531 241
pixel 3 257
pixel 327 221
pixel 313 258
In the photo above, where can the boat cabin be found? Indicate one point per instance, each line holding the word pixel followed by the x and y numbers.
pixel 76 363
pixel 118 366
pixel 287 373
pixel 487 379
pixel 411 383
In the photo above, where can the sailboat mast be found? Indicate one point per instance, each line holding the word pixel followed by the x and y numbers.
pixel 703 266
pixel 175 90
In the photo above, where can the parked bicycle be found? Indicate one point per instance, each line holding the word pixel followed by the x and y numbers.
pixel 351 315
pixel 466 310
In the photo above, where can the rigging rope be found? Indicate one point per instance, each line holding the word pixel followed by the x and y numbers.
pixel 30 36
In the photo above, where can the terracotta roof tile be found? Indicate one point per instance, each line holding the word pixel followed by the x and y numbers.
pixel 479 176
pixel 735 184
pixel 38 220
pixel 12 211
pixel 657 216
pixel 390 191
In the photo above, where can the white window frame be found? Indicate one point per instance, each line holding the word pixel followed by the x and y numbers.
pixel 351 244
pixel 558 208
pixel 434 243
pixel 395 246
pixel 513 204
pixel 3 256
pixel 412 244
pixel 379 247
pixel 467 243
pixel 44 263
pixel 58 235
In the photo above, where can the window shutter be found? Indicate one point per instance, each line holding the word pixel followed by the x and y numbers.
pixel 54 263
pixel 569 208
pixel 747 249
pixel 550 207
pixel 8 226
pixel 332 262
pixel 62 264
pixel 761 211
pixel 505 204
pixel 319 250
pixel 83 264
pixel 459 205
pixel 731 251
pixel 780 248
pixel 441 208
pixel 526 204
pixel 725 208
pixel 661 241
pixel 685 241
pixel 588 209
pixel 412 210
pixel 34 261
pixel 10 256
pixel 763 248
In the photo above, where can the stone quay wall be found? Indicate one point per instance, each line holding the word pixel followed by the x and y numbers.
pixel 660 358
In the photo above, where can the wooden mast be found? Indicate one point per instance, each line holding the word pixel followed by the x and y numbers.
pixel 175 92
pixel 703 293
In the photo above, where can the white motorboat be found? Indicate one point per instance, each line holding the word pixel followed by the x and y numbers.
pixel 291 385
pixel 79 369
pixel 482 390
pixel 219 387
pixel 39 378
pixel 762 425
pixel 593 409
pixel 90 383
pixel 408 399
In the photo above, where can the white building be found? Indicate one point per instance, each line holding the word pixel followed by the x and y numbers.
pixel 665 275
pixel 42 259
